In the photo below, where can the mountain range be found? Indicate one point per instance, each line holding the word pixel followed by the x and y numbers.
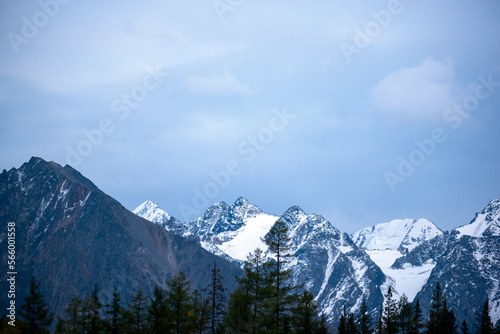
pixel 71 235
pixel 411 255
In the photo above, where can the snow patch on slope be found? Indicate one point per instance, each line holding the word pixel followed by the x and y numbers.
pixel 249 237
pixel 488 221
pixel 405 233
pixel 408 280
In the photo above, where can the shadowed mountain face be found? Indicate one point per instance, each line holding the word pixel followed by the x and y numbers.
pixel 71 235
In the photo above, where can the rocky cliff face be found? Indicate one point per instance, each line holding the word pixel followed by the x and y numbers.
pixel 71 235
pixel 467 264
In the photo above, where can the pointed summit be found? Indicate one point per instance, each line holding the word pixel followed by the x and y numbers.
pixel 151 211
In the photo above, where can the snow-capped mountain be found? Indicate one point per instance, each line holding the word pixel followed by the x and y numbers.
pixel 399 234
pixel 467 264
pixel 232 231
pixel 387 242
pixel 151 211
pixel 332 267
pixel 411 255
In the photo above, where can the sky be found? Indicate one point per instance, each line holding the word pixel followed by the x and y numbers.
pixel 360 112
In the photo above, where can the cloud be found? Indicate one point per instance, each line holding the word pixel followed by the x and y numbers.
pixel 226 84
pixel 420 93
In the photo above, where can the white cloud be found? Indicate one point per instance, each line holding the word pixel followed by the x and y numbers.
pixel 225 84
pixel 419 93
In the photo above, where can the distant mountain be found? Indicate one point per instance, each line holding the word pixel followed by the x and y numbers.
pixel 71 235
pixel 330 265
pixel 152 212
pixel 400 234
pixel 386 242
pixel 466 263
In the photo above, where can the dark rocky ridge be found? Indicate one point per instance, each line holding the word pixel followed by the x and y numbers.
pixel 71 235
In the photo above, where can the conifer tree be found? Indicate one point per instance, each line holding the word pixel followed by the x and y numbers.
pixel 157 312
pixel 323 328
pixel 342 328
pixel 417 320
pixel 484 324
pixel 217 299
pixel 239 317
pixel 255 282
pixel 202 311
pixel 364 319
pixel 114 311
pixel 35 311
pixel 179 304
pixel 464 329
pixel 389 317
pixel 136 314
pixel 405 314
pixel 94 306
pixel 351 324
pixel 305 314
pixel 71 323
pixel 278 243
pixel 436 310
pixel 441 320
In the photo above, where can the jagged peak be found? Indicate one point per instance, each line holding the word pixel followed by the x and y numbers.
pixel 294 210
pixel 241 201
pixel 151 211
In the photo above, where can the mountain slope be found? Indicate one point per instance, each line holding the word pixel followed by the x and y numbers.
pixel 467 264
pixel 386 242
pixel 399 234
pixel 71 236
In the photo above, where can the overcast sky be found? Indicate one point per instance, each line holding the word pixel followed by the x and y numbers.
pixel 362 113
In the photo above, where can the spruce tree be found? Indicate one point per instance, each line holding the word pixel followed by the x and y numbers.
pixel 157 312
pixel 364 319
pixel 71 323
pixel 136 314
pixel 239 317
pixel 217 299
pixel 202 311
pixel 484 324
pixel 351 324
pixel 258 286
pixel 114 311
pixel 342 328
pixel 278 243
pixel 405 314
pixel 390 316
pixel 463 328
pixel 35 311
pixel 417 320
pixel 434 324
pixel 179 304
pixel 380 325
pixel 305 314
pixel 94 304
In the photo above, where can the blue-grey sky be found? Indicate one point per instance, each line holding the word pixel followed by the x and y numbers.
pixel 360 112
